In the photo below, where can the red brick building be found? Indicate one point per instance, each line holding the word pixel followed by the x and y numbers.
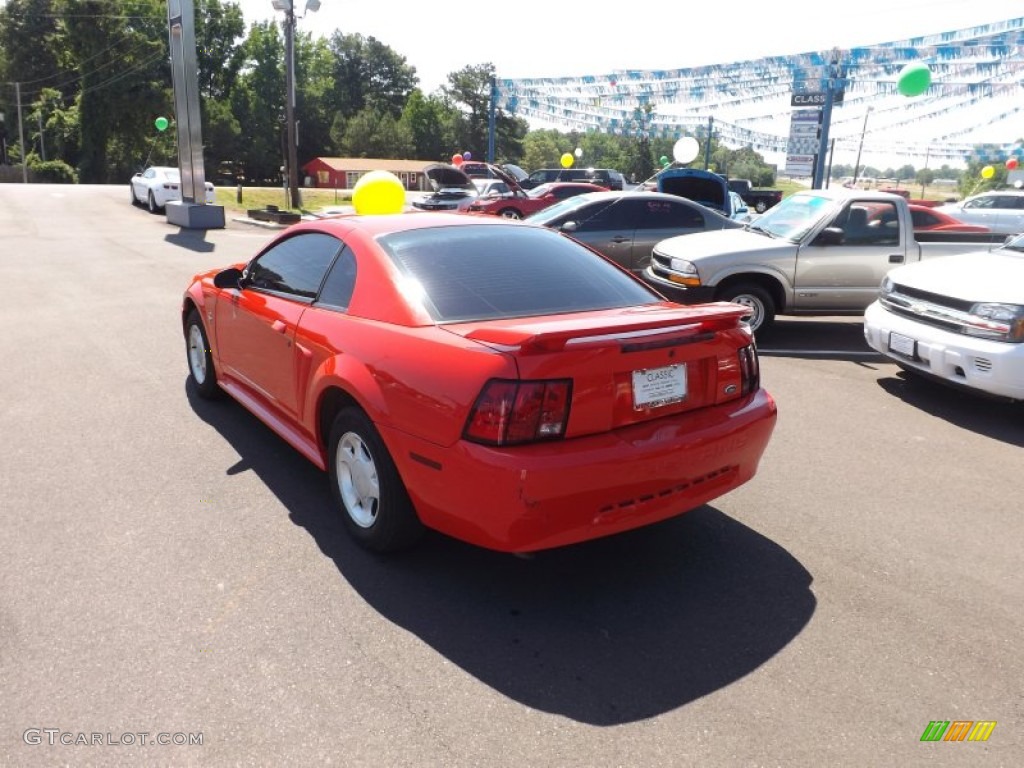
pixel 344 172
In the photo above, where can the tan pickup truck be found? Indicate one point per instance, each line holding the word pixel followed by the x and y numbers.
pixel 819 252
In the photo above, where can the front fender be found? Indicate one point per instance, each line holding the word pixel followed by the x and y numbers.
pixel 762 271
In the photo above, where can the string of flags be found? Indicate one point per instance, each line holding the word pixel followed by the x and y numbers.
pixel 973 67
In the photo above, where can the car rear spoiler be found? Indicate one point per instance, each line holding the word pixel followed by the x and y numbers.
pixel 681 326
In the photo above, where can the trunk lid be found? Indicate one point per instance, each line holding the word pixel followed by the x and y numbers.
pixel 626 366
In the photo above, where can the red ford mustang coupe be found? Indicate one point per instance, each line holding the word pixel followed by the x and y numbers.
pixel 492 380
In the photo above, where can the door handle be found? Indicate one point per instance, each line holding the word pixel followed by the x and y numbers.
pixel 278 326
pixel 620 239
pixel 895 258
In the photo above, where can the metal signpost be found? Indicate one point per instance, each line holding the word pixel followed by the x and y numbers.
pixel 191 211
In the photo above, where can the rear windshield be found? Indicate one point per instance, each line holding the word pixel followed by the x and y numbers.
pixel 490 272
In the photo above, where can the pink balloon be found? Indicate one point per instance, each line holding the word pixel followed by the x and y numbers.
pixel 1011 163
pixel 457 159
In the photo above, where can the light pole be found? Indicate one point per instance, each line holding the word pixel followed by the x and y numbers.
pixel 856 168
pixel 291 160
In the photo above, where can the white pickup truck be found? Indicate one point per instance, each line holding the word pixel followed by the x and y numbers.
pixel 959 319
pixel 819 252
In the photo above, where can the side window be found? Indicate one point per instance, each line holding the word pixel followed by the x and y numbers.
pixel 295 266
pixel 981 202
pixel 563 192
pixel 149 174
pixel 596 217
pixel 664 214
pixel 340 282
pixel 871 224
pixel 923 218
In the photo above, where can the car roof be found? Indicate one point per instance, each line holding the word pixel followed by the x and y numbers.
pixel 385 224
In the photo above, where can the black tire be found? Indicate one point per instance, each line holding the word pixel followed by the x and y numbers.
pixel 510 213
pixel 366 487
pixel 759 300
pixel 151 203
pixel 131 191
pixel 760 206
pixel 200 359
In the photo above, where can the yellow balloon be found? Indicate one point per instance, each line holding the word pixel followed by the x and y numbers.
pixel 378 192
pixel 567 160
pixel 988 172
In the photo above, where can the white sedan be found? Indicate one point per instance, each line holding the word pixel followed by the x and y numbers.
pixel 158 185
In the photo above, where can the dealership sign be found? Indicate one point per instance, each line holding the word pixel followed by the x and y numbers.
pixel 813 98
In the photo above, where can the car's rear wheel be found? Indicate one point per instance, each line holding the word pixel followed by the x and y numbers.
pixel 510 213
pixel 151 203
pixel 366 486
pixel 200 359
pixel 757 299
pixel 760 206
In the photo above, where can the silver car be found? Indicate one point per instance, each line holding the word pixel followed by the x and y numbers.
pixel 1001 211
pixel 625 226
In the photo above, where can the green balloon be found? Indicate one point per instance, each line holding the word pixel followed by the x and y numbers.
pixel 161 123
pixel 914 79
pixel 663 160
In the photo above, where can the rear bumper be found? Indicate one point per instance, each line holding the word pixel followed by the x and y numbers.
pixel 994 367
pixel 552 494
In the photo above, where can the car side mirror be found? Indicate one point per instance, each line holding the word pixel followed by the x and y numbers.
pixel 830 236
pixel 229 278
pixel 569 226
pixel 137 174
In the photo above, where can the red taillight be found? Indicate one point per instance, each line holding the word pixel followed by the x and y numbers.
pixel 513 412
pixel 750 370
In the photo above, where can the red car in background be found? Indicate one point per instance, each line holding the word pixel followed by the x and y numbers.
pixel 521 204
pixel 930 220
pixel 493 380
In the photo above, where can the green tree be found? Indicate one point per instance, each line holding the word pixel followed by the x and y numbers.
pixel 469 91
pixel 924 177
pixel 376 134
pixel 124 73
pixel 542 149
pixel 429 121
pixel 257 102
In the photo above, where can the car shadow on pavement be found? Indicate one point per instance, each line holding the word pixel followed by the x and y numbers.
pixel 611 631
pixel 193 239
pixel 998 419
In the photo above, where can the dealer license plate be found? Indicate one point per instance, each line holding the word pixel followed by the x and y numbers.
pixel 659 386
pixel 903 345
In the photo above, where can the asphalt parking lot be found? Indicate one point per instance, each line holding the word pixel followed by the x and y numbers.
pixel 169 566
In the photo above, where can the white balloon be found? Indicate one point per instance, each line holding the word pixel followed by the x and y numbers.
pixel 686 150
pixel 579 152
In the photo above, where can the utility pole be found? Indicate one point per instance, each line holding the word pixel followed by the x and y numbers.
pixel 707 146
pixel 856 168
pixel 491 120
pixel 292 161
pixel 42 143
pixel 21 136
